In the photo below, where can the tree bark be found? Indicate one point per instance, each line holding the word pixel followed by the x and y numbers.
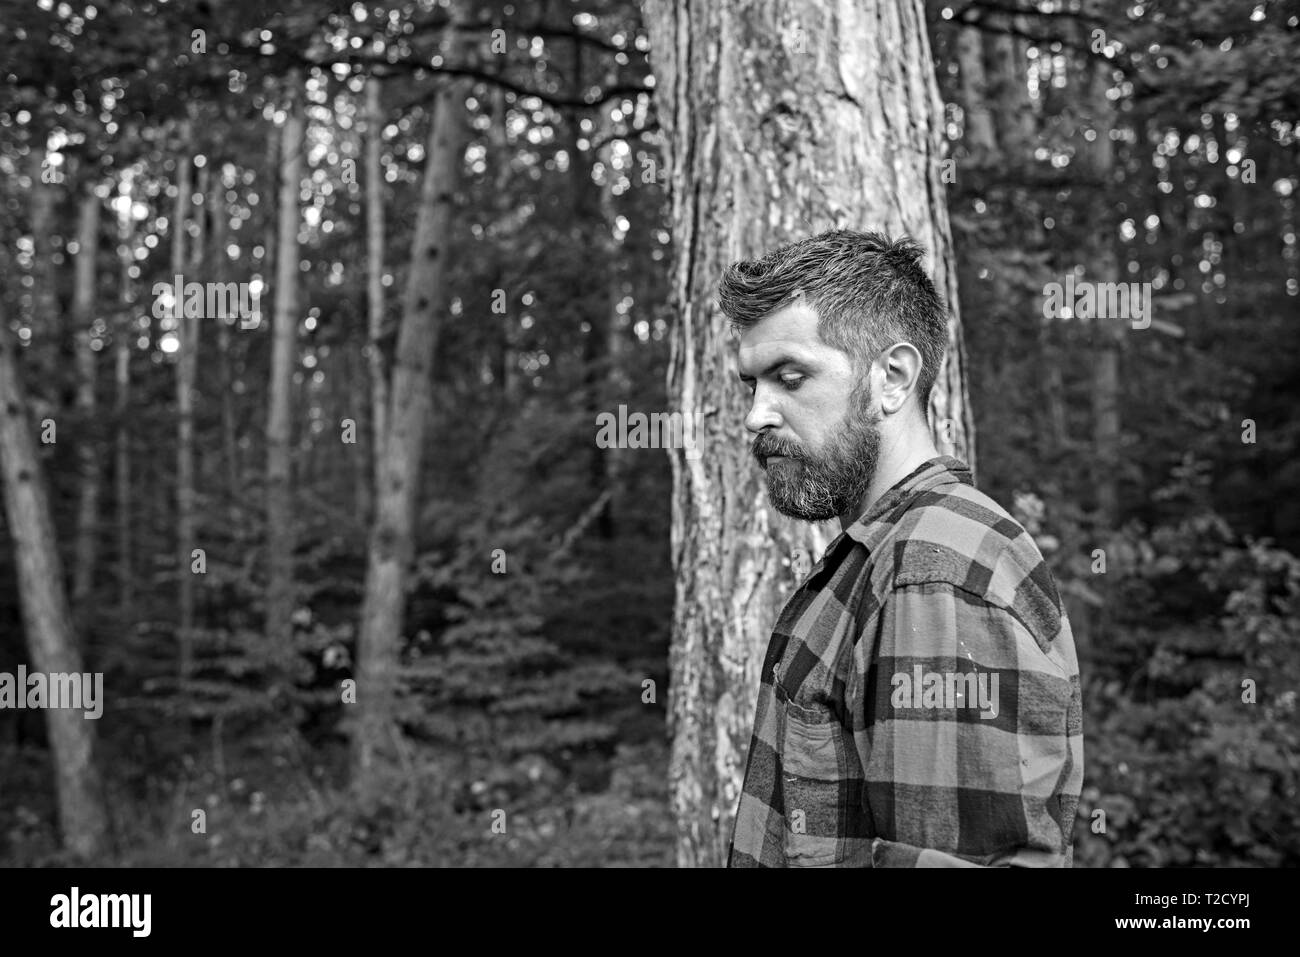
pixel 86 547
pixel 783 119
pixel 47 619
pixel 279 499
pixel 392 539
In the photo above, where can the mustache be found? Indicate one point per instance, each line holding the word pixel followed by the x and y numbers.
pixel 765 445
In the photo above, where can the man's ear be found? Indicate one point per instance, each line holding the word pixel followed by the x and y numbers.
pixel 901 366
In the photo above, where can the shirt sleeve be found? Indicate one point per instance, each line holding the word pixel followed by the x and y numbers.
pixel 969 731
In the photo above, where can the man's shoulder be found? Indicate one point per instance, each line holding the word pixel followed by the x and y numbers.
pixel 957 535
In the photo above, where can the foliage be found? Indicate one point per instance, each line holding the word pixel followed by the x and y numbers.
pixel 1191 734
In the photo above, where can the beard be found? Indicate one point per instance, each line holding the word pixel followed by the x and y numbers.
pixel 816 486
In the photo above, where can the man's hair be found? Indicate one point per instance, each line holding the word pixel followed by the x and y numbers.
pixel 869 292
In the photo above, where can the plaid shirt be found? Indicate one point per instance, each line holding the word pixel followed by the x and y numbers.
pixel 919 702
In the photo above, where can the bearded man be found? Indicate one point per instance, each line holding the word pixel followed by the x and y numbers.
pixel 919 701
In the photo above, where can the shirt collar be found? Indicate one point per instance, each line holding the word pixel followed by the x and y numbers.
pixel 883 513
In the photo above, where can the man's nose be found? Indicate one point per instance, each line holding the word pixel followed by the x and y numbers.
pixel 762 415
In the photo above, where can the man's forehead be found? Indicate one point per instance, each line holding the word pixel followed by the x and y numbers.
pixel 789 332
pixel 758 356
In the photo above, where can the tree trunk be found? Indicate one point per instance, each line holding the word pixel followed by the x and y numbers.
pixel 356 392
pixel 279 500
pixel 1014 118
pixel 375 272
pixel 187 357
pixel 225 366
pixel 1108 333
pixel 783 120
pixel 584 199
pixel 616 382
pixel 122 334
pixel 508 358
pixel 83 304
pixel 47 318
pixel 979 136
pixel 275 168
pixel 392 539
pixel 47 619
pixel 1016 127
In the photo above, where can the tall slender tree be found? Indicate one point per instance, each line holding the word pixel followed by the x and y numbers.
pixel 375 268
pixel 498 138
pixel 122 485
pixel 979 135
pixel 187 358
pixel 47 618
pixel 86 547
pixel 48 321
pixel 1103 267
pixel 225 364
pixel 284 329
pixel 392 538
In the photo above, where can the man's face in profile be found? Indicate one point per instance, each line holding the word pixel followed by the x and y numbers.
pixel 818 436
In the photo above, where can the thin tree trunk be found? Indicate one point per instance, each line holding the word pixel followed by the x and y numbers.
pixel 47 619
pixel 229 443
pixel 279 498
pixel 1014 119
pixel 1056 433
pixel 584 202
pixel 275 167
pixel 508 359
pixel 375 272
pixel 392 541
pixel 824 116
pixel 122 335
pixel 85 550
pixel 1108 333
pixel 616 346
pixel 187 357
pixel 225 370
pixel 354 392
pixel 48 321
pixel 979 137
pixel 1015 128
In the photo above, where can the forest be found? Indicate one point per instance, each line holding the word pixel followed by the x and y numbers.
pixel 321 321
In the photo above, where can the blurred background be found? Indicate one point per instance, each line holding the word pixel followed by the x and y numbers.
pixel 364 589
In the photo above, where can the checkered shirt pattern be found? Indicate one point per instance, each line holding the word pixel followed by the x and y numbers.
pixel 919 701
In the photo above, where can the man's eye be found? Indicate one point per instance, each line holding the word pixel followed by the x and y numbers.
pixel 792 382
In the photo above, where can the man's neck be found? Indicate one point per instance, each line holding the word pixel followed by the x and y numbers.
pixel 898 459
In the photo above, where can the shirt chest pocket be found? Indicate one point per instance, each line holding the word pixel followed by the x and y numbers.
pixel 813 780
